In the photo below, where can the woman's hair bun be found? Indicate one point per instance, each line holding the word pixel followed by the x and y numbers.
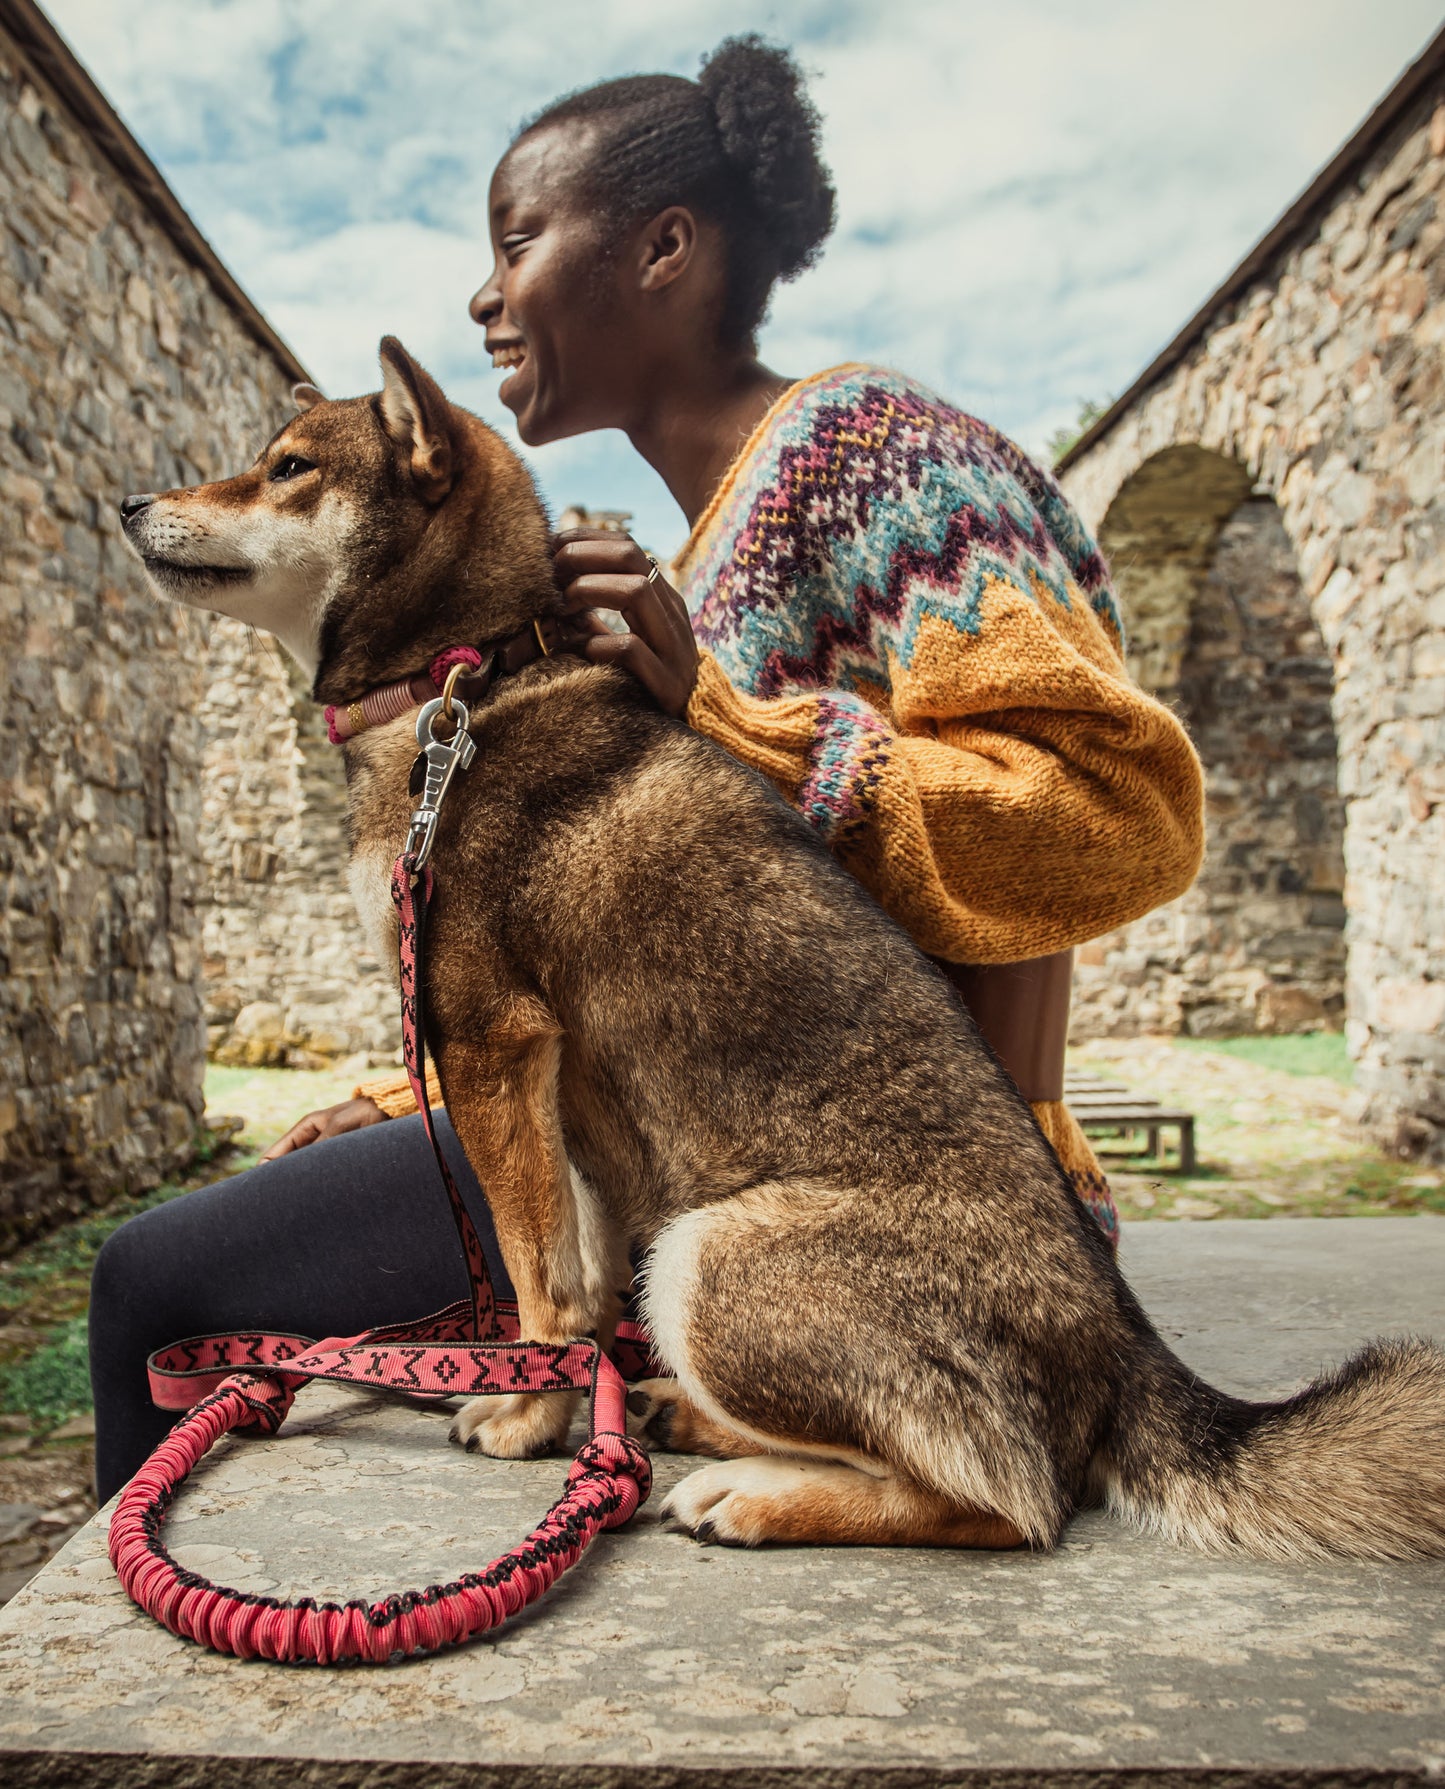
pixel 770 130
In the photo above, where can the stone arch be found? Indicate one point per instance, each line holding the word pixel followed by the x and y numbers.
pixel 1220 627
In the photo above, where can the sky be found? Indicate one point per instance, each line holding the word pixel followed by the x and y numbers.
pixel 1032 197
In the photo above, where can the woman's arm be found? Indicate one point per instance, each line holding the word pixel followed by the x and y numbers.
pixel 1002 787
pixel 1022 796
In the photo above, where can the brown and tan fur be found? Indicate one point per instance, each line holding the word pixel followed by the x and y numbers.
pixel 667 1022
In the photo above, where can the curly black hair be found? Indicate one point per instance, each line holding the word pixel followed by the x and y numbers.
pixel 739 145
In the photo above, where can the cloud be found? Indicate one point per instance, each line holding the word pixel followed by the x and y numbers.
pixel 1032 198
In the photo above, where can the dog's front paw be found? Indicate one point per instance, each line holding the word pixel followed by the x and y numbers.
pixel 518 1427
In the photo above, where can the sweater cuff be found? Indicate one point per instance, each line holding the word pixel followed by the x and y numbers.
pixel 772 736
pixel 394 1096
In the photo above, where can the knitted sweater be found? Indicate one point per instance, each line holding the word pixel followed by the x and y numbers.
pixel 907 629
pixel 912 634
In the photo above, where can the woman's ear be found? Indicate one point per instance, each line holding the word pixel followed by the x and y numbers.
pixel 667 248
pixel 417 417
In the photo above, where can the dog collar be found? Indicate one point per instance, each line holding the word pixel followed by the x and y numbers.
pixel 479 667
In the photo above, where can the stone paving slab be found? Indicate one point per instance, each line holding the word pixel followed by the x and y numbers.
pixel 661 1662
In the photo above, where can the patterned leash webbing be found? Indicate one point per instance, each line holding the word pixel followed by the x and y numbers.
pixel 248 1382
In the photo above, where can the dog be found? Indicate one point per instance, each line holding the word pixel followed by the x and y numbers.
pixel 667 1023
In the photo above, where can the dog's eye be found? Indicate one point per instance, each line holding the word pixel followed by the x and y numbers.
pixel 291 467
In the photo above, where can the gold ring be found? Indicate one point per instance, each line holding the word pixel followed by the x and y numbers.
pixel 450 685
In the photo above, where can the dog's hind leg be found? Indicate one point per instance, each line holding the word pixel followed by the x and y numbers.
pixel 807 1325
pixel 563 1260
pixel 817 1503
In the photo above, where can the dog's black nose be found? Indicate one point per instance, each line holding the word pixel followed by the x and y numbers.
pixel 130 506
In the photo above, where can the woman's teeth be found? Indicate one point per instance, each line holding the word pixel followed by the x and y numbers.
pixel 509 357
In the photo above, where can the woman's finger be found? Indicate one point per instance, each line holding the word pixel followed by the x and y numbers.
pixel 610 571
pixel 631 653
pixel 330 1121
pixel 601 552
pixel 603 590
pixel 305 1130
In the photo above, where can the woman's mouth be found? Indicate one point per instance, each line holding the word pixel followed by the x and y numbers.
pixel 511 356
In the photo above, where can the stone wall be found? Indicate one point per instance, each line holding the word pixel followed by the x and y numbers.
pixel 1221 629
pixel 288 976
pixel 1324 385
pixel 120 369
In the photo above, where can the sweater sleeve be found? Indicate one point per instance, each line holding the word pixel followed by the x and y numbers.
pixel 1013 793
pixel 393 1093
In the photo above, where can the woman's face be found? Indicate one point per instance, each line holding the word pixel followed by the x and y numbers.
pixel 555 308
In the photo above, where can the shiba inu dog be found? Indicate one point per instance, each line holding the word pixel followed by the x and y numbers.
pixel 666 1020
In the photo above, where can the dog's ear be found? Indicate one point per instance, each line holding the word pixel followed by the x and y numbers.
pixel 306 397
pixel 417 417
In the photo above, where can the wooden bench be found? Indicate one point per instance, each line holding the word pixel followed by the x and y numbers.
pixel 1108 1110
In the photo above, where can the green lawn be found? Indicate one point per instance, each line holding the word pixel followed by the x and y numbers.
pixel 272 1099
pixel 1310 1053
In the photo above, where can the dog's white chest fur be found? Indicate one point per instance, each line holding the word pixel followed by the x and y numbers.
pixel 369 875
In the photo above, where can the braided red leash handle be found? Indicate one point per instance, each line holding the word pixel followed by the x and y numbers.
pixel 467 1348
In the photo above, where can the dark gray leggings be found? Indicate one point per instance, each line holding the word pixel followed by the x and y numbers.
pixel 329 1240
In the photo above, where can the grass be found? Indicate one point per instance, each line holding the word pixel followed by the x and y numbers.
pixel 52 1384
pixel 45 1287
pixel 272 1099
pixel 1310 1053
pixel 45 1291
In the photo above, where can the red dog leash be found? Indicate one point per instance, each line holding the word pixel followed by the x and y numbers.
pixel 247 1383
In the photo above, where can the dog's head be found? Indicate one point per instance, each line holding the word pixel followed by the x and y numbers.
pixel 369 534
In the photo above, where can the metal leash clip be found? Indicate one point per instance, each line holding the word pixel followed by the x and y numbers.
pixel 443 759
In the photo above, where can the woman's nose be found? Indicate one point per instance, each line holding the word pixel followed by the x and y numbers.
pixel 486 305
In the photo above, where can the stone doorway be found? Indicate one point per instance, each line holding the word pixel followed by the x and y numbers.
pixel 1220 627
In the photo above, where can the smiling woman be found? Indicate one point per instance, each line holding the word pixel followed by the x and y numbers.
pixel 883 607
pixel 902 622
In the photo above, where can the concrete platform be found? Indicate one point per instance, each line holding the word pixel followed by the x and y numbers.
pixel 660 1662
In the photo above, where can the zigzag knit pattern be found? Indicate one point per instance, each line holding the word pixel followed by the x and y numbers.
pixel 870 505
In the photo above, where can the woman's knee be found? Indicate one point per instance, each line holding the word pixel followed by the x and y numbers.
pixel 134 1267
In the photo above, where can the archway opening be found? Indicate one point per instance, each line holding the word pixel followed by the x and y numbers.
pixel 1220 627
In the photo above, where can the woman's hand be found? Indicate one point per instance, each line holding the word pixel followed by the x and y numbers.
pixel 333 1121
pixel 601 569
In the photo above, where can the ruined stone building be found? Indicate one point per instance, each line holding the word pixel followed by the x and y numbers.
pixel 130 360
pixel 1270 493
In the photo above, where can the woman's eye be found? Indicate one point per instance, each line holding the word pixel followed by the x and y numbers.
pixel 291 467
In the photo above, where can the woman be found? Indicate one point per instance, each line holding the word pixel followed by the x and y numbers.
pixel 884 607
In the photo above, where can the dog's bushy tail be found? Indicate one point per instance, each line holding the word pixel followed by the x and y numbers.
pixel 1353 1465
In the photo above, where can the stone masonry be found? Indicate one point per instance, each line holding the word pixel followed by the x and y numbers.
pixel 288 976
pixel 1312 391
pixel 122 368
pixel 1257 944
